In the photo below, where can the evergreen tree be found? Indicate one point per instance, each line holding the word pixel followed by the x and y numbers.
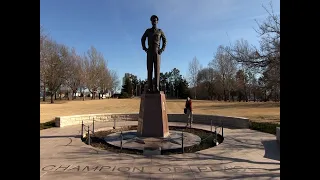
pixel 127 87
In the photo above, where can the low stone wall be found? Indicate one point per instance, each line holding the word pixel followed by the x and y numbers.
pixel 227 121
pixel 63 121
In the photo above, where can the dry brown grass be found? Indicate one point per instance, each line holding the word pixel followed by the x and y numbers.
pixel 255 111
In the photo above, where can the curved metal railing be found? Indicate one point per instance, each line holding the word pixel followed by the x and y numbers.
pixel 86 129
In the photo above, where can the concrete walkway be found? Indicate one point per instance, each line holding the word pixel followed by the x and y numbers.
pixel 244 154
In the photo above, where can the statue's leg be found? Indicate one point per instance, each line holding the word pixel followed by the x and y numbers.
pixel 149 68
pixel 157 70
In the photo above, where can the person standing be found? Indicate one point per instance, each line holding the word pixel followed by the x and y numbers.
pixel 189 111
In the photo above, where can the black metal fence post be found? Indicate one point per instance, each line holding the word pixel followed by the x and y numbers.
pixel 88 135
pixel 121 141
pixel 82 130
pixel 216 136
pixel 182 146
pixel 222 129
pixel 114 123
pixel 93 126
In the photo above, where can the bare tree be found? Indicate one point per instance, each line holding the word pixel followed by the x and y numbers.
pixel 94 66
pixel 43 54
pixel 241 84
pixel 225 66
pixel 61 67
pixel 266 57
pixel 56 60
pixel 194 68
pixel 206 79
pixel 106 81
pixel 74 72
pixel 83 75
pixel 114 80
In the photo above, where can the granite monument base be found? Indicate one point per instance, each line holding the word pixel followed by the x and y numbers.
pixel 153 118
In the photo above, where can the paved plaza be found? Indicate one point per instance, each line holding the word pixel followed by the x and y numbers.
pixel 244 154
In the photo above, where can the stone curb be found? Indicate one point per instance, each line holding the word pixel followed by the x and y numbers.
pixel 225 121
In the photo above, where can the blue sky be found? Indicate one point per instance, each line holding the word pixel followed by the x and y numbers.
pixel 194 28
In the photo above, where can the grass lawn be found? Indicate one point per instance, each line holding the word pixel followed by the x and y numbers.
pixel 268 112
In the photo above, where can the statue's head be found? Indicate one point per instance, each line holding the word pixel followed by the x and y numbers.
pixel 154 20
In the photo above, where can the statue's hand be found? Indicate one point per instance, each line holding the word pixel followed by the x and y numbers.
pixel 145 49
pixel 160 52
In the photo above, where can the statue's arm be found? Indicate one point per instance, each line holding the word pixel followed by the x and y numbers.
pixel 164 41
pixel 143 40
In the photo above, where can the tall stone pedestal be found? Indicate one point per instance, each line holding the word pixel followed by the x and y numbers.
pixel 153 118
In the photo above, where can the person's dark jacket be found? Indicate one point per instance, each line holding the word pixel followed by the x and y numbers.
pixel 189 105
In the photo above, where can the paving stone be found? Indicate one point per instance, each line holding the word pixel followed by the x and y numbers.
pixel 244 154
pixel 139 176
pixel 189 175
pixel 63 175
pixel 161 176
pixel 118 176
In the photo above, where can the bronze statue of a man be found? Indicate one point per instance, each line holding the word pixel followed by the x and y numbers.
pixel 153 51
